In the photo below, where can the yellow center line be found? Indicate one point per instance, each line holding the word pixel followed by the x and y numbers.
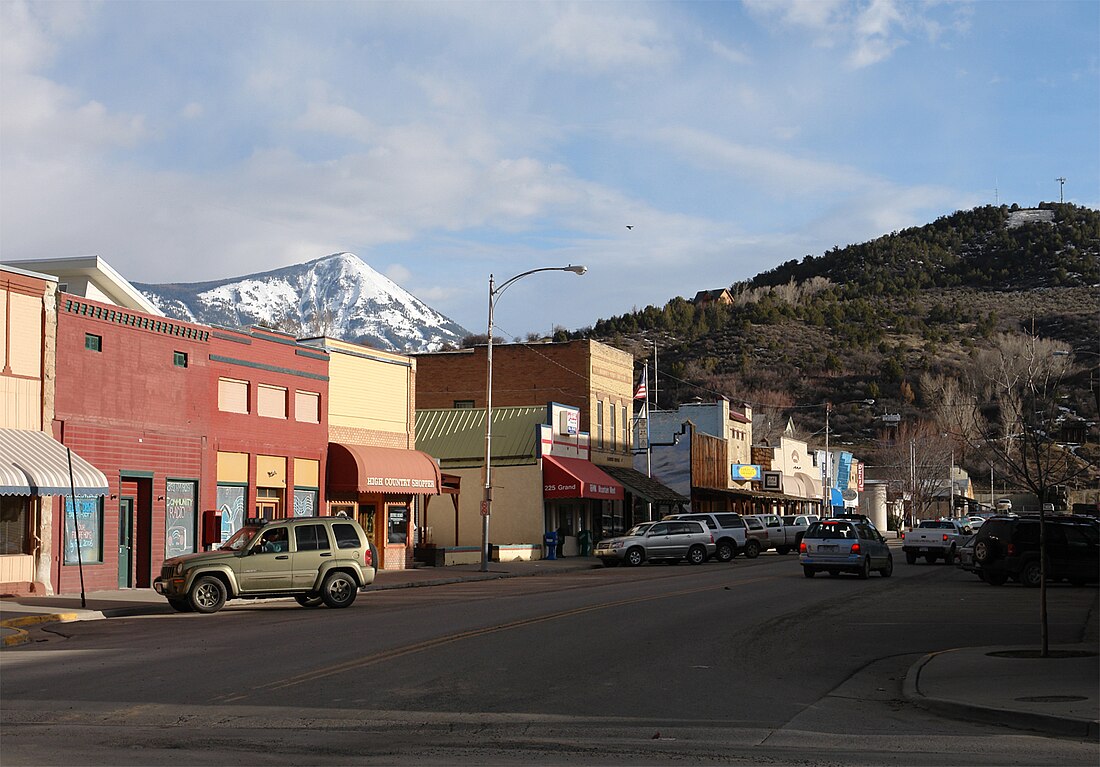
pixel 399 652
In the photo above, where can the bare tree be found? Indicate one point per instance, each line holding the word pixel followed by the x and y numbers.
pixel 918 462
pixel 1018 382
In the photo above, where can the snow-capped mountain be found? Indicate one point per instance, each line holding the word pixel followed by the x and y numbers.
pixel 338 296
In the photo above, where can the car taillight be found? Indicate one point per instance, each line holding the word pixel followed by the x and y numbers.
pixel 368 557
pixel 802 547
pixel 1012 549
pixel 712 537
pixel 903 536
pixel 855 548
pixel 945 537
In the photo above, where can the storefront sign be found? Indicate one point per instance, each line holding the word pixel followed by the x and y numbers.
pixel 406 482
pixel 747 472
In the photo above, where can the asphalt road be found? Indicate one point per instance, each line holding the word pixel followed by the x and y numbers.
pixel 744 663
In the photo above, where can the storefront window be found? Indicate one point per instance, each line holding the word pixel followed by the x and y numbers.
pixel 85 527
pixel 14 510
pixel 398 531
pixel 179 518
pixel 231 506
pixel 305 502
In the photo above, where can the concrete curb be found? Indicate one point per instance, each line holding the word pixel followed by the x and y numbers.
pixel 1017 720
pixel 19 636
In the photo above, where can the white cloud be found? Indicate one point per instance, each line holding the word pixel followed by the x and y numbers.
pixel 871 30
pixel 192 111
pixel 589 37
pixel 780 173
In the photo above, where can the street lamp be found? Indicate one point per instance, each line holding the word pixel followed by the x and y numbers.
pixel 486 504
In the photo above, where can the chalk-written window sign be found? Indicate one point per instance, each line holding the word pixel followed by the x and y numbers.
pixel 85 529
pixel 179 518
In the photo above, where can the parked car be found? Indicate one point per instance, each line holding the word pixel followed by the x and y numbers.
pixel 974 522
pixel 1008 547
pixel 842 545
pixel 316 560
pixel 770 533
pixel 727 528
pixel 669 540
pixel 933 539
pixel 798 524
pixel 964 557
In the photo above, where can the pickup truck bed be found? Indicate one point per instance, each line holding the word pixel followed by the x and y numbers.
pixel 933 539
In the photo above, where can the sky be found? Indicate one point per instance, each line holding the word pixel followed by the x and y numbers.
pixel 669 147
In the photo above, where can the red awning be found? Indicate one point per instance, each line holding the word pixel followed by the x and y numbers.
pixel 365 469
pixel 577 478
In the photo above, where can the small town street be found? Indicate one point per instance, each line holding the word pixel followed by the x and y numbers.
pixel 745 663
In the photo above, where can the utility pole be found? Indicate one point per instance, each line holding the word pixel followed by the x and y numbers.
pixel 1061 186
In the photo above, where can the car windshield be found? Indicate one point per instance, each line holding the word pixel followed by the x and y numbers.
pixel 639 529
pixel 239 540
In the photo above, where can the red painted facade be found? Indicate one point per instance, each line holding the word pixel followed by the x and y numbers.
pixel 138 417
pixel 144 409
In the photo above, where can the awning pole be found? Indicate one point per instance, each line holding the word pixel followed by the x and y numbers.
pixel 76 531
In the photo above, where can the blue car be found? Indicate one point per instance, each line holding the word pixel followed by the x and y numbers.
pixel 840 546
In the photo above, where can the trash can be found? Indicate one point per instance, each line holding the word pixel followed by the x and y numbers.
pixel 584 542
pixel 550 542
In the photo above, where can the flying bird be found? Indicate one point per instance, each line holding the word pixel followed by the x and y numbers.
pixel 630 226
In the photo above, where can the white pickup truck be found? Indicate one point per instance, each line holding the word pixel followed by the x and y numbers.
pixel 934 539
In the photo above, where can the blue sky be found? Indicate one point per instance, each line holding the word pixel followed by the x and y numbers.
pixel 442 142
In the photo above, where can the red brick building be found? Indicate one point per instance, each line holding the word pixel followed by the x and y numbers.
pixel 131 396
pixel 268 434
pixel 182 419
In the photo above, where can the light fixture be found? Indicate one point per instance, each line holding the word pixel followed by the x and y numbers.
pixel 494 293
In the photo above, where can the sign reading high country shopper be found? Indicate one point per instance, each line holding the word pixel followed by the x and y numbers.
pixel 409 482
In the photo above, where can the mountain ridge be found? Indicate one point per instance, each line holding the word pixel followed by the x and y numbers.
pixel 338 295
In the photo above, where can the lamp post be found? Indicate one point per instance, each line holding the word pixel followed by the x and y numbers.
pixel 486 504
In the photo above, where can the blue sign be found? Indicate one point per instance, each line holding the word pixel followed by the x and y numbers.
pixel 843 470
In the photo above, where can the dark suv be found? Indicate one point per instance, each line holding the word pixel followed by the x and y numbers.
pixel 1008 547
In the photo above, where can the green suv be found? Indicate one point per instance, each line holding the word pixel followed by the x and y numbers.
pixel 316 560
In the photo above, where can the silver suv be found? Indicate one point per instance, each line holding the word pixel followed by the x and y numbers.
pixel 672 539
pixel 727 528
pixel 316 560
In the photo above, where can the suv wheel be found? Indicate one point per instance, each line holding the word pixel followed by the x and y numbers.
pixel 309 600
pixel 634 557
pixel 207 594
pixel 338 589
pixel 1031 574
pixel 808 571
pixel 697 555
pixel 983 551
pixel 725 551
pixel 887 571
pixel 752 549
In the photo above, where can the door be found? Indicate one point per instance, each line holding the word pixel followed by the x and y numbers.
pixel 266 565
pixel 312 549
pixel 125 543
pixel 658 540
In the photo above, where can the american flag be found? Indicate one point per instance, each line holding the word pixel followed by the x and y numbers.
pixel 642 392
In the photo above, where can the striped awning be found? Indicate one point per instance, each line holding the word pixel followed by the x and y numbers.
pixel 34 463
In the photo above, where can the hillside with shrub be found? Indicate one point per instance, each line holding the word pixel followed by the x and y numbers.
pixel 874 320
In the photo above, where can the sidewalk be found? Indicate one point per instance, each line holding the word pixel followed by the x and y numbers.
pixel 1056 696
